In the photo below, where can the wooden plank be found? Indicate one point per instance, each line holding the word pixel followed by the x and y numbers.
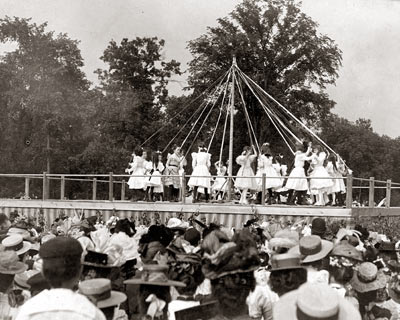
pixel 371 198
pixel 388 193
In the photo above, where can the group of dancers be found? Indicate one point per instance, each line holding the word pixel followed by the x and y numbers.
pixel 316 177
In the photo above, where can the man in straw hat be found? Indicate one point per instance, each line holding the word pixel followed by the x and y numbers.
pixel 314 301
pixel 108 301
pixel 62 269
pixel 9 267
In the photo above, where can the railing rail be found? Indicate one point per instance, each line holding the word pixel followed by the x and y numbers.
pixel 121 179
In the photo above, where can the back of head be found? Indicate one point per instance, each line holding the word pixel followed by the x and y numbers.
pixel 61 261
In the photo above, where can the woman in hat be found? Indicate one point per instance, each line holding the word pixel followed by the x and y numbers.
pixel 245 180
pixel 314 253
pixel 201 177
pixel 9 267
pixel 154 290
pixel 314 301
pixel 229 264
pixel 297 181
pixel 172 181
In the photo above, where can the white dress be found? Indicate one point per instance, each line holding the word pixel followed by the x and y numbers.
pixel 320 172
pixel 271 180
pixel 295 183
pixel 246 171
pixel 156 178
pixel 220 183
pixel 201 176
pixel 137 171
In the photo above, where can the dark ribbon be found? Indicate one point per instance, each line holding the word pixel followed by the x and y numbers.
pixel 95 298
pixel 16 247
pixel 311 251
pixel 302 316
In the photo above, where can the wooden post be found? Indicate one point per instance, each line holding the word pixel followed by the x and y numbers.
pixel 111 187
pixel 183 188
pixel 231 109
pixel 123 190
pixel 94 192
pixel 44 190
pixel 263 189
pixel 27 187
pixel 388 192
pixel 371 200
pixel 62 190
pixel 349 191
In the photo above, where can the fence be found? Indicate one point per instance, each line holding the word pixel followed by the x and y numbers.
pixel 370 186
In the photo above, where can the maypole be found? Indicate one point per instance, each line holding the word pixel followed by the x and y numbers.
pixel 230 166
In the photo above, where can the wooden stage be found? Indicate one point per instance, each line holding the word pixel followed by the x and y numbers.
pixel 229 214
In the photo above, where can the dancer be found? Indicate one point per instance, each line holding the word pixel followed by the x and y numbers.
pixel 154 184
pixel 137 171
pixel 321 186
pixel 201 176
pixel 272 181
pixel 281 170
pixel 297 182
pixel 175 163
pixel 220 183
pixel 242 183
pixel 341 171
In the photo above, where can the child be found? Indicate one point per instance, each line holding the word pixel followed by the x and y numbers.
pixel 320 186
pixel 201 176
pixel 242 183
pixel 220 183
pixel 154 185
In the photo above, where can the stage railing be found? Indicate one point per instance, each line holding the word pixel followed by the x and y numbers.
pixel 353 184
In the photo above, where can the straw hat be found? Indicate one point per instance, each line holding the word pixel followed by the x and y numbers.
pixel 155 275
pixel 314 301
pixel 368 278
pixel 177 224
pixel 99 292
pixel 23 232
pixel 312 248
pixel 284 239
pixel 347 250
pixel 10 264
pixel 21 279
pixel 285 261
pixel 16 243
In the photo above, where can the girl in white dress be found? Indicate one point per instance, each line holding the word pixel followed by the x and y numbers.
pixel 172 180
pixel 137 170
pixel 297 178
pixel 320 186
pixel 242 183
pixel 220 183
pixel 201 177
pixel 155 184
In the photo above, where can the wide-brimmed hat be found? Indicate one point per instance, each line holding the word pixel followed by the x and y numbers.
pixel 312 248
pixel 368 278
pixel 177 225
pixel 314 301
pixel 16 243
pixel 10 264
pixel 21 279
pixel 345 249
pixel 285 261
pixel 99 292
pixel 23 232
pixel 394 289
pixel 155 275
pixel 96 259
pixel 284 239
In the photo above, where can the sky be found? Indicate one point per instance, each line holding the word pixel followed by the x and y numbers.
pixel 367 31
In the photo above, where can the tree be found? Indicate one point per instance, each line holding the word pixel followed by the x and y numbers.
pixel 42 98
pixel 279 47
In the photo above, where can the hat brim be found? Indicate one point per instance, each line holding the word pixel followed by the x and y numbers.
pixel 326 247
pixel 97 265
pixel 286 308
pixel 115 299
pixel 169 283
pixel 359 286
pixel 19 268
pixel 26 246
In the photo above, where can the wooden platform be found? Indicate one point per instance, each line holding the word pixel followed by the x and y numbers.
pixel 227 213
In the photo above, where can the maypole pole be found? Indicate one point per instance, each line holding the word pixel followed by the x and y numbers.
pixel 231 110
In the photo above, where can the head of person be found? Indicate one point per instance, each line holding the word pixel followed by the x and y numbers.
pixel 145 154
pixel 265 149
pixel 126 226
pixel 177 150
pixel 138 151
pixel 317 149
pixel 247 150
pixel 4 222
pixel 61 262
pixel 287 274
pixel 299 147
